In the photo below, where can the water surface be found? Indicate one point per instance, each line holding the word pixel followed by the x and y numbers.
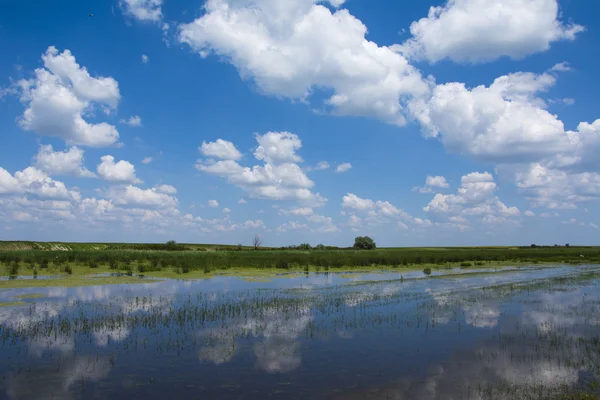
pixel 508 333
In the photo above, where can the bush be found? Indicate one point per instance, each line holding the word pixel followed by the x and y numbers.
pixel 304 246
pixel 171 245
pixel 364 243
pixel 427 271
pixel 465 264
pixel 14 269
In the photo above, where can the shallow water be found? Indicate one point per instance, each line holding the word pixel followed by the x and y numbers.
pixel 509 333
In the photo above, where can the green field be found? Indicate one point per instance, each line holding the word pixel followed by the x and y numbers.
pixel 201 260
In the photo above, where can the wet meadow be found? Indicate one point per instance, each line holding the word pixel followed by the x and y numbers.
pixel 469 328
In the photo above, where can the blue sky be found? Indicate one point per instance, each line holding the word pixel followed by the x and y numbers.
pixel 470 123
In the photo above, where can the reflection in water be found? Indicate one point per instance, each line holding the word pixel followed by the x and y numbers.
pixel 529 333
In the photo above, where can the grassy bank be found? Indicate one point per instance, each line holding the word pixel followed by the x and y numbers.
pixel 73 265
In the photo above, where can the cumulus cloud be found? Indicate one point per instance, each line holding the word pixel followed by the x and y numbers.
pixel 147 160
pixel 504 122
pixel 143 10
pixel 135 121
pixel 432 182
pixel 59 95
pixel 376 212
pixel 134 196
pixel 278 147
pixel 279 179
pixel 168 189
pixel 145 59
pixel 289 48
pixel 321 165
pixel 481 30
pixel 345 167
pixel 475 198
pixel 221 149
pixel 35 182
pixel 121 171
pixel 69 162
pixel 213 203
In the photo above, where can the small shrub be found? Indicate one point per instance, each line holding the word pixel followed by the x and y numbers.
pixel 93 264
pixel 465 264
pixel 67 269
pixel 13 270
pixel 427 271
pixel 44 264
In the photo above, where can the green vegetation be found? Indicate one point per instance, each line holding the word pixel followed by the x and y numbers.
pixel 11 303
pixel 88 259
pixel 364 243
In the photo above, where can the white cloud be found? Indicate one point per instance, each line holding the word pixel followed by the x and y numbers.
pixel 147 160
pixel 593 225
pixel 23 216
pixel 289 48
pixel 321 166
pixel 226 210
pixel 475 198
pixel 278 147
pixel 213 203
pixel 561 67
pixel 292 226
pixel 35 182
pixel 553 188
pixel 343 167
pixel 69 162
pixel 242 201
pixel 504 122
pixel 303 211
pixel 256 224
pixel 135 121
pixel 59 95
pixel 433 182
pixel 145 59
pixel 220 149
pixel 278 179
pixel 436 181
pixel 134 196
pixel 351 200
pixel 143 10
pixel 121 171
pixel 377 212
pixel 529 213
pixel 168 189
pixel 483 30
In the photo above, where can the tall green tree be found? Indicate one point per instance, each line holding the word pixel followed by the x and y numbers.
pixel 364 243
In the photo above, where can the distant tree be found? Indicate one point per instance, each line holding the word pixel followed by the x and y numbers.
pixel 567 245
pixel 305 246
pixel 256 242
pixel 320 246
pixel 171 245
pixel 533 245
pixel 364 243
pixel 240 247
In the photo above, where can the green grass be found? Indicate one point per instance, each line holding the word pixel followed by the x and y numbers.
pixel 12 303
pixel 204 261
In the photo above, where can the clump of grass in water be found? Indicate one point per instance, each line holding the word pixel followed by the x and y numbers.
pixel 466 264
pixel 426 271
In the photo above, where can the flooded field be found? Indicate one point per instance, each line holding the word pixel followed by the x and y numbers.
pixel 508 333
